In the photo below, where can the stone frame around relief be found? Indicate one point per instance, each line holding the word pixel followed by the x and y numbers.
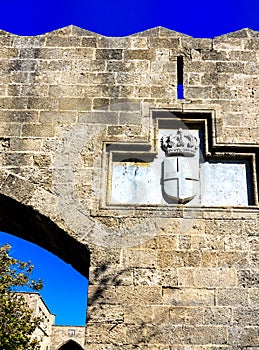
pixel 212 152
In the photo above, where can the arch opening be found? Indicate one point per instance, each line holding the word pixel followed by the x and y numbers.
pixel 71 345
pixel 26 223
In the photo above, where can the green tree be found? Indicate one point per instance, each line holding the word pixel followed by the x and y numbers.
pixel 16 321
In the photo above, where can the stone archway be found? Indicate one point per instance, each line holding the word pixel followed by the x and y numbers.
pixel 70 345
pixel 25 222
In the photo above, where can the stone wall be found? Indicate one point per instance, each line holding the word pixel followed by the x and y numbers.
pixel 39 308
pixel 62 335
pixel 161 278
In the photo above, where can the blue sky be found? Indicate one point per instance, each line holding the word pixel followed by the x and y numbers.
pixel 111 18
pixel 65 290
pixel 198 18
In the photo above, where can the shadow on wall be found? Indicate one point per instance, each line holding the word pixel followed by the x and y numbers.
pixel 108 315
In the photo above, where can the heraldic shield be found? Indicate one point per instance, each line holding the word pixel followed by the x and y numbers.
pixel 180 172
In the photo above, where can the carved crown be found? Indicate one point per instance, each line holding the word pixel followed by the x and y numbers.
pixel 182 143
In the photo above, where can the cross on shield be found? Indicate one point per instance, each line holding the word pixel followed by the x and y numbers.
pixel 181 178
pixel 180 172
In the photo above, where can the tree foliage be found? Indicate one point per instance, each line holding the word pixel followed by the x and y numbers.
pixel 17 323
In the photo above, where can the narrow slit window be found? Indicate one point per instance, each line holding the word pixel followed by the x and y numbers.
pixel 180 88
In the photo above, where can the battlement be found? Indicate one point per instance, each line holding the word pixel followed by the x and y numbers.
pixel 75 106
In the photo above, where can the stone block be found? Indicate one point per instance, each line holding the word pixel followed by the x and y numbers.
pixel 102 294
pixel 99 117
pixel 184 242
pixel 139 295
pixel 232 297
pixel 10 129
pixel 214 55
pixel 230 67
pixel 18 189
pixel 217 278
pixel 250 227
pixel 186 315
pixel 139 54
pixel 111 334
pixel 38 130
pixel 78 53
pixel 84 65
pixel 168 259
pixel 108 90
pixel 22 64
pixel 128 78
pixel 113 43
pixel 248 278
pixel 188 296
pixel 111 275
pixel 103 257
pixel 133 118
pixel 168 42
pixel 28 90
pixel 243 336
pixel 177 314
pixel 8 52
pixel 233 259
pixel 223 43
pixel 235 242
pixel 57 117
pixel 209 259
pixel 101 103
pixel 135 334
pixel 25 144
pixel 101 78
pixel 139 258
pixel 217 315
pixel 136 314
pixel 105 314
pixel 88 41
pixel 108 54
pixel 161 314
pixel 165 333
pixel 224 226
pixel 16 159
pixel 19 116
pixel 48 77
pixel 203 44
pixel 253 296
pixel 208 278
pixel 42 53
pixel 58 41
pixel 246 316
pixel 127 105
pixel 42 160
pixel 197 66
pixel 203 335
pixel 41 103
pixel 252 44
pixel 138 42
pixel 246 56
pixel 76 104
pixel 151 277
pixel 209 242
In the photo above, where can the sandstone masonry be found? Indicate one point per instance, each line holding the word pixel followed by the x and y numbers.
pixel 66 98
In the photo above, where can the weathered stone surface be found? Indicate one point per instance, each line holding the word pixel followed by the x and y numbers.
pixel 161 277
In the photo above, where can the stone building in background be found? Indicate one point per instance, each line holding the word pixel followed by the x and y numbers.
pixel 40 309
pixel 135 160
pixel 50 336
